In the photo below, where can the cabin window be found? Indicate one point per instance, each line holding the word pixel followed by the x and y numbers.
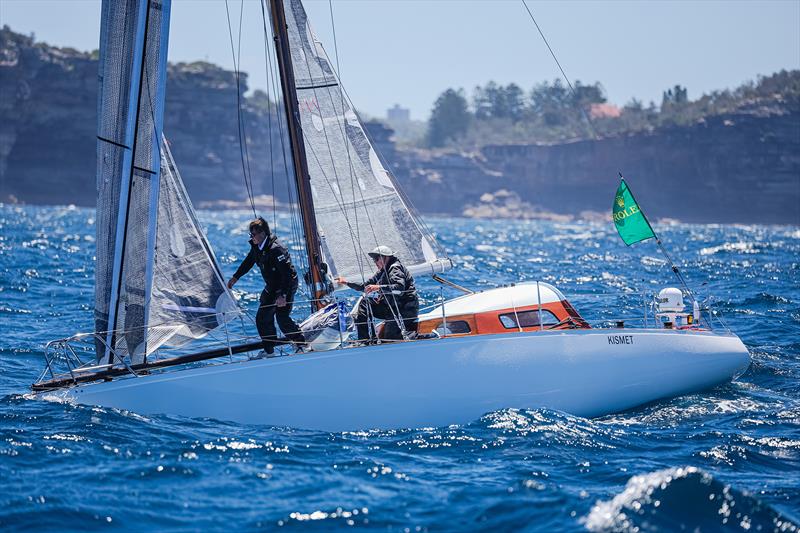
pixel 528 319
pixel 453 327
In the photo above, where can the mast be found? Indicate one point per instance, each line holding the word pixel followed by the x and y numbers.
pixel 301 175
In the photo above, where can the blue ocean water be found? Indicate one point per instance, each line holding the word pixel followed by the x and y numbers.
pixel 725 459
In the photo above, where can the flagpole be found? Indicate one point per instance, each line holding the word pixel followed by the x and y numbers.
pixel 674 268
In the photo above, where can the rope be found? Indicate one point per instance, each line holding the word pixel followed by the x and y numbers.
pixel 343 129
pixel 294 217
pixel 354 237
pixel 243 152
pixel 268 67
pixel 564 74
pixel 674 268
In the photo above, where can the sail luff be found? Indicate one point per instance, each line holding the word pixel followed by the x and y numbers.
pixel 302 179
pixel 155 100
pixel 130 109
pixel 109 13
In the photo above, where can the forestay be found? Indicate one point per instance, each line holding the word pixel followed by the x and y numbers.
pixel 141 239
pixel 357 201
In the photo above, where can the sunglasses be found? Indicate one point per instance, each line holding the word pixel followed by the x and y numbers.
pixel 253 234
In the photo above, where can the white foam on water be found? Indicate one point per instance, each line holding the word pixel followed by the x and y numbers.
pixel 611 515
pixel 561 428
pixel 742 247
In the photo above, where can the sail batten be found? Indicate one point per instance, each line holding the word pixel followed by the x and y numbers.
pixel 357 202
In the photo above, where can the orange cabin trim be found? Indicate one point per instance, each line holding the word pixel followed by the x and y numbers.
pixel 489 322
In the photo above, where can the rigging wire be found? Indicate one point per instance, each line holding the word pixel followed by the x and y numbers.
pixel 341 203
pixel 294 222
pixel 241 131
pixel 344 135
pixel 419 222
pixel 564 74
pixel 238 96
pixel 674 268
pixel 267 67
pixel 294 216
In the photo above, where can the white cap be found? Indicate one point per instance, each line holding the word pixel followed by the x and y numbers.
pixel 381 250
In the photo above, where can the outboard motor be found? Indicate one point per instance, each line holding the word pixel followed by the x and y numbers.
pixel 327 328
pixel 669 309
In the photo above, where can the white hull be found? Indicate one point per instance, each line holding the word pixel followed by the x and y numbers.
pixel 438 382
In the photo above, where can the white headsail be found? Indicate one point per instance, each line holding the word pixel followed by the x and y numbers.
pixel 189 297
pixel 357 202
pixel 143 295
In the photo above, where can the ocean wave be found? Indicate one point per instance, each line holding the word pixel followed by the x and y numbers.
pixel 697 407
pixel 552 428
pixel 68 466
pixel 734 247
pixel 684 498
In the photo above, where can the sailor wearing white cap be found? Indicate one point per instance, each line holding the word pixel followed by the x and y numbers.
pixel 396 301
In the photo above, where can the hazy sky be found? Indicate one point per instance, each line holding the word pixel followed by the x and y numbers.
pixel 409 51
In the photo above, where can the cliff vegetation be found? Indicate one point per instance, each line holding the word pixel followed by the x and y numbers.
pixel 553 112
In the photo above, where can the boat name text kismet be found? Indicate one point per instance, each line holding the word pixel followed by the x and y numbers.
pixel 620 339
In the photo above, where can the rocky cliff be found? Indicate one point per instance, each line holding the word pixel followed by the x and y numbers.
pixel 48 124
pixel 741 167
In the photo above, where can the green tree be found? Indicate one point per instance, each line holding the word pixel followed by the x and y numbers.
pixel 495 101
pixel 586 95
pixel 677 96
pixel 450 118
pixel 482 100
pixel 550 102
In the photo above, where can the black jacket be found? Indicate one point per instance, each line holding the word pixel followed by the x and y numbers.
pixel 275 265
pixel 394 277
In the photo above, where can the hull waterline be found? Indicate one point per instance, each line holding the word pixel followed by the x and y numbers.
pixel 435 383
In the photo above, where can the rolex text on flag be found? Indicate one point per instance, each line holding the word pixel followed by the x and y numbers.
pixel 628 218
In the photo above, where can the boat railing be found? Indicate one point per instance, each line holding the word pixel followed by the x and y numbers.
pixel 75 355
pixel 638 309
pixel 73 359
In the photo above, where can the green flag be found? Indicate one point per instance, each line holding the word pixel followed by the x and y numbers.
pixel 628 218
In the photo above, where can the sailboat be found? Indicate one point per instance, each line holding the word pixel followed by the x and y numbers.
pixel 158 284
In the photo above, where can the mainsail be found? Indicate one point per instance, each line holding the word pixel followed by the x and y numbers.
pixel 357 202
pixel 156 279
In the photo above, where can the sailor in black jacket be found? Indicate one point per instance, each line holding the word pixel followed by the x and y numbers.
pixel 280 278
pixel 395 298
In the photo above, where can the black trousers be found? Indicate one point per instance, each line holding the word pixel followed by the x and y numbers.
pixel 268 313
pixel 386 311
